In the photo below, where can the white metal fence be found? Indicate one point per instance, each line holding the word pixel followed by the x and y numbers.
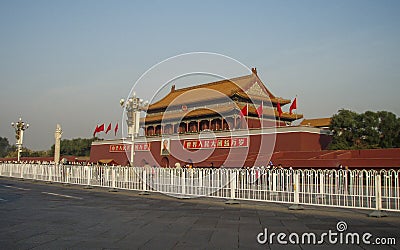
pixel 363 189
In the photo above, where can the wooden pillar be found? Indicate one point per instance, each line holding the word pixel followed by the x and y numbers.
pixel 187 126
pixel 166 129
pixel 222 123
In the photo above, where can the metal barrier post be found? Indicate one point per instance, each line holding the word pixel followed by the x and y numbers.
pixel 22 171
pixel 113 180
pixel 321 186
pixel 89 177
pixel 232 184
pixel 183 183
pixel 274 184
pixel 144 187
pixel 50 178
pixel 67 175
pixel 296 205
pixel 144 180
pixel 34 172
pixel 126 175
pixel 378 199
pixel 201 181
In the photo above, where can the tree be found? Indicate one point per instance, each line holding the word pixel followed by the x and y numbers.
pixel 367 133
pixel 6 148
pixel 367 130
pixel 31 153
pixel 389 129
pixel 76 147
pixel 397 139
pixel 343 126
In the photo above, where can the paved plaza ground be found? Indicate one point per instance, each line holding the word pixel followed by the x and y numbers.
pixel 37 215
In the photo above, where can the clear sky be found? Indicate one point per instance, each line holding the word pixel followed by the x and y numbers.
pixel 70 62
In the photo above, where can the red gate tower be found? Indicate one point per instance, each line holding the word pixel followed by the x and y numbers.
pixel 232 123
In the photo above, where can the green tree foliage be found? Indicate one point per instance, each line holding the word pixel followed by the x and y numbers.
pixel 367 135
pixel 389 127
pixel 5 147
pixel 343 126
pixel 76 147
pixel 31 153
pixel 367 130
pixel 12 152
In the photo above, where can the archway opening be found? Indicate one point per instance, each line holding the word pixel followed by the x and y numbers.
pixel 165 162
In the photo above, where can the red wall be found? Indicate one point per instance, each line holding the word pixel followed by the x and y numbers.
pixel 101 152
pixel 258 153
pixel 296 149
pixel 374 158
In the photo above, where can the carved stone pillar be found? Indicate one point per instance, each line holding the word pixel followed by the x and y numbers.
pixel 57 145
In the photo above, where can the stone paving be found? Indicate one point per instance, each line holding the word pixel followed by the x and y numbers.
pixel 36 215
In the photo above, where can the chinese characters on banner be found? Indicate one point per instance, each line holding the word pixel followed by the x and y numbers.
pixel 142 146
pixel 127 147
pixel 234 142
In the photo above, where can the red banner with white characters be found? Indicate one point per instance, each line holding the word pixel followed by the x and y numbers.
pixel 119 148
pixel 116 148
pixel 145 146
pixel 230 142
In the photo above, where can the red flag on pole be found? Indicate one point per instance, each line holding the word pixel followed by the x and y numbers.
pixel 244 111
pixel 96 130
pixel 116 130
pixel 108 128
pixel 260 109
pixel 293 105
pixel 279 109
pixel 100 128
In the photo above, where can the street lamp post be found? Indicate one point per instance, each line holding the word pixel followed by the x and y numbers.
pixel 19 127
pixel 133 106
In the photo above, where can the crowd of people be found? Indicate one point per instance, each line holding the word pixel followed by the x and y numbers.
pixel 269 166
pixel 77 163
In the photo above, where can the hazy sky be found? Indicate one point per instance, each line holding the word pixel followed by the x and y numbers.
pixel 70 62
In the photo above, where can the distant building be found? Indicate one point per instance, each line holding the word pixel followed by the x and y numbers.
pixel 323 123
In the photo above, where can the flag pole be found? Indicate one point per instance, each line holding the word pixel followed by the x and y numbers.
pixel 279 115
pixel 296 108
pixel 247 115
pixel 262 114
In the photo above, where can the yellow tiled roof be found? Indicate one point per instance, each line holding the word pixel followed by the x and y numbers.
pixel 318 122
pixel 215 90
pixel 221 110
